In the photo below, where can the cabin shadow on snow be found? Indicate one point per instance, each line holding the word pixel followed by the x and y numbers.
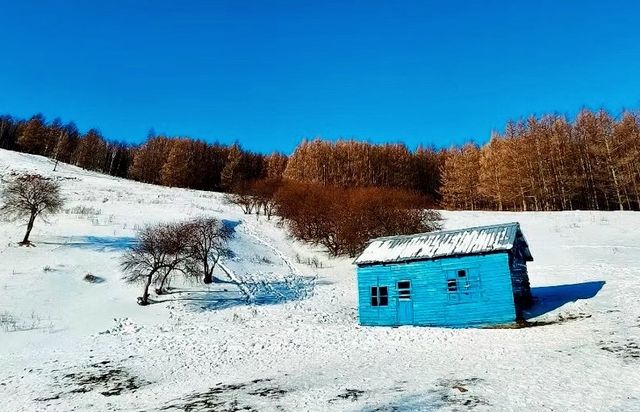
pixel 549 298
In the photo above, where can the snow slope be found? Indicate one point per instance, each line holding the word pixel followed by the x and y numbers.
pixel 282 335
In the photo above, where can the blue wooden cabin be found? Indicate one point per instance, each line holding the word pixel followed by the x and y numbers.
pixel 454 278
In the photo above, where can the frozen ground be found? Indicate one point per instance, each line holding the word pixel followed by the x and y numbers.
pixel 282 335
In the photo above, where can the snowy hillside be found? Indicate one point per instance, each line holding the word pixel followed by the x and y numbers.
pixel 279 334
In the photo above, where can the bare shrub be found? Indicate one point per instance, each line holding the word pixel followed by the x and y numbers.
pixel 309 261
pixel 256 196
pixel 11 323
pixel 344 220
pixel 30 196
pixel 263 192
pixel 306 208
pixel 8 322
pixel 83 210
pixel 243 197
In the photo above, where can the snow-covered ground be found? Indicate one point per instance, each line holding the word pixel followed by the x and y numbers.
pixel 282 335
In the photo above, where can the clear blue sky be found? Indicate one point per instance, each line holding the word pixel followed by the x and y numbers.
pixel 269 73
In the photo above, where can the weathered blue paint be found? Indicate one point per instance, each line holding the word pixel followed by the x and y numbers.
pixel 484 292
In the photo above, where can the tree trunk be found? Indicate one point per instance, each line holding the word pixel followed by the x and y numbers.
pixel 208 277
pixel 32 219
pixel 614 175
pixel 160 289
pixel 144 300
pixel 541 171
pixel 208 271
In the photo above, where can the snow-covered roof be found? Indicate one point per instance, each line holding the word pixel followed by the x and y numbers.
pixel 468 241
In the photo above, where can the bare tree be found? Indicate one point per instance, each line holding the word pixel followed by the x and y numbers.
pixel 160 250
pixel 208 238
pixel 243 196
pixel 30 196
pixel 263 192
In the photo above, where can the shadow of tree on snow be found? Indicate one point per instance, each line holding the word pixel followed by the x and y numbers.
pixel 231 224
pixel 204 299
pixel 97 243
pixel 228 294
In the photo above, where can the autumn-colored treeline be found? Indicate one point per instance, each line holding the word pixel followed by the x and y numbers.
pixel 542 163
pixel 63 142
pixel 185 162
pixel 349 163
pixel 549 163
pixel 179 162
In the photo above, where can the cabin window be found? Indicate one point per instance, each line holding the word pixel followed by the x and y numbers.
pixel 463 285
pixel 404 290
pixel 452 285
pixel 379 296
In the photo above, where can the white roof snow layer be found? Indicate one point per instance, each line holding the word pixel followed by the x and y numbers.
pixel 443 243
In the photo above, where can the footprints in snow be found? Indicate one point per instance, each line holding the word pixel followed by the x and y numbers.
pixel 269 287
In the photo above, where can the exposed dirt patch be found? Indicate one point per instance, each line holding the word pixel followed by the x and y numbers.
pixel 449 394
pixel 228 397
pixel 568 317
pixel 273 392
pixel 629 350
pixel 48 398
pixel 560 319
pixel 349 395
pixel 101 377
pixel 458 392
pixel 106 380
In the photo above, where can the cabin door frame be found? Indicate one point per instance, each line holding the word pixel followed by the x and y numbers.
pixel 404 302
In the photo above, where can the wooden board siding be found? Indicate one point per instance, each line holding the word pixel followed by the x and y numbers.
pixel 487 300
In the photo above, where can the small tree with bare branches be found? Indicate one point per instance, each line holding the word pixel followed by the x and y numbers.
pixel 160 251
pixel 242 196
pixel 264 194
pixel 29 196
pixel 208 239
